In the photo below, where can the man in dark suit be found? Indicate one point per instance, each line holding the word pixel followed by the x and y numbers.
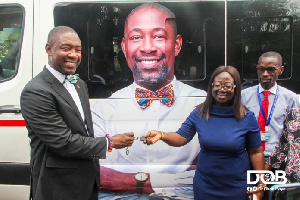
pixel 64 153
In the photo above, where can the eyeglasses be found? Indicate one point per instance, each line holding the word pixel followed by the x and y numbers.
pixel 226 87
pixel 269 69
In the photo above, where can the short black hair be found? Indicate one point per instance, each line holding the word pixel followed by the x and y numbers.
pixel 271 54
pixel 56 31
pixel 156 6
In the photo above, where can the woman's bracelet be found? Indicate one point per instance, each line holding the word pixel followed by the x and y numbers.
pixel 110 144
pixel 162 135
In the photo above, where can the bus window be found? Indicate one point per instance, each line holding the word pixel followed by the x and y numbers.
pixel 101 28
pixel 262 34
pixel 190 64
pixel 10 40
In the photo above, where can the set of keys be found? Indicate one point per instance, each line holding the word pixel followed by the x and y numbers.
pixel 141 138
pixel 137 138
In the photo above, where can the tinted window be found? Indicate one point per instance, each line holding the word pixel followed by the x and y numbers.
pixel 261 34
pixel 101 28
pixel 255 27
pixel 10 40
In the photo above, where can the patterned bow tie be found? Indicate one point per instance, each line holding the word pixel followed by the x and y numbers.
pixel 145 97
pixel 72 78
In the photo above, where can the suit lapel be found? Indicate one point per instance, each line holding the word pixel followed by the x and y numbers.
pixel 63 92
pixel 84 103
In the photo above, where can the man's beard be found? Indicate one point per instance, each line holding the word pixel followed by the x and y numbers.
pixel 150 80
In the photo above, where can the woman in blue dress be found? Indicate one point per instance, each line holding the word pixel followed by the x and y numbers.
pixel 229 138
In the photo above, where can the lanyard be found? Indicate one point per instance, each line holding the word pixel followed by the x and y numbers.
pixel 272 109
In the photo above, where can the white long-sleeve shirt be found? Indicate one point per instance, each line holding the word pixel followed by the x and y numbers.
pixel 167 165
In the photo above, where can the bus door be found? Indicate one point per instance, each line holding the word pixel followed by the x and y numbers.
pixel 16 38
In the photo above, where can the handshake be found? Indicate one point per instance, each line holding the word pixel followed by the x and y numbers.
pixel 126 139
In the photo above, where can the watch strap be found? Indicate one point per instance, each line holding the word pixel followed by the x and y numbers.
pixel 140 187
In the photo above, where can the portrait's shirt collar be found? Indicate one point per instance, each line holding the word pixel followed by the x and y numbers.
pixel 55 73
pixel 272 89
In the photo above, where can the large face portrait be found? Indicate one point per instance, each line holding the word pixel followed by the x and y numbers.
pixel 150 46
pixel 65 53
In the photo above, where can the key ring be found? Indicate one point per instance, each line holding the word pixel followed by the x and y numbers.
pixel 141 138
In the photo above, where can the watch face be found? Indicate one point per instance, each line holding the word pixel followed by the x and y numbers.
pixel 141 176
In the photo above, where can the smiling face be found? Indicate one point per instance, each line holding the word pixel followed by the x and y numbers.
pixel 150 47
pixel 268 79
pixel 222 96
pixel 65 53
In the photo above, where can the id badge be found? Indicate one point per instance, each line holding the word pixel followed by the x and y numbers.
pixel 265 136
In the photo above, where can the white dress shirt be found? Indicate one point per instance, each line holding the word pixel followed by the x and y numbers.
pixel 70 87
pixel 286 100
pixel 167 165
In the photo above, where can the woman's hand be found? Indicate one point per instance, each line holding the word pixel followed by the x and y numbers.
pixel 153 137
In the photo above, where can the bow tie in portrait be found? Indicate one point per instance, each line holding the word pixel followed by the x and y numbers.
pixel 145 97
pixel 72 78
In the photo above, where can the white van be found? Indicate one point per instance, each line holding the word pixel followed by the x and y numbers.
pixel 215 32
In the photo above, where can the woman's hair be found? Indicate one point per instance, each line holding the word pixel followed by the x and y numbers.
pixel 238 108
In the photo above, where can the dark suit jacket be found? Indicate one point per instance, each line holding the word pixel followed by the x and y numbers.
pixel 64 157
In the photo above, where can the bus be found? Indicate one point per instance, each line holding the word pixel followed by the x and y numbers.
pixel 214 33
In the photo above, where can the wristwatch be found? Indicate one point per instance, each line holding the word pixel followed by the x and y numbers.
pixel 141 178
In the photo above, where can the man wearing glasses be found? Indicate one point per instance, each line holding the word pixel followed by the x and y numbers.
pixel 269 101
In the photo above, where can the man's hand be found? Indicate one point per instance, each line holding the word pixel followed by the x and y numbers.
pixel 122 140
